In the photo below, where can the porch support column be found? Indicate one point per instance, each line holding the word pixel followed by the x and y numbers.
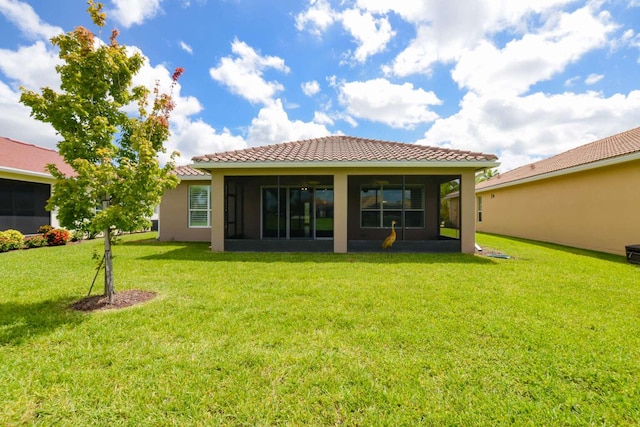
pixel 217 211
pixel 340 201
pixel 467 212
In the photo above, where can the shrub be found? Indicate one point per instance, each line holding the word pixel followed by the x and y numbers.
pixel 11 239
pixel 44 229
pixel 36 241
pixel 57 237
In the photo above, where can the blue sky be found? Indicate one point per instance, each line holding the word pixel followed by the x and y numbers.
pixel 521 79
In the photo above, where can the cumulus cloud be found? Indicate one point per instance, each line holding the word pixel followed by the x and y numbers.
pixel 243 74
pixel 378 100
pixel 370 33
pixel 318 17
pixel 272 125
pixel 310 88
pixel 533 58
pixel 31 66
pixel 134 12
pixel 533 126
pixel 28 22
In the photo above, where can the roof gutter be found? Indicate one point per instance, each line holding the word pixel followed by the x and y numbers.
pixel 25 172
pixel 580 168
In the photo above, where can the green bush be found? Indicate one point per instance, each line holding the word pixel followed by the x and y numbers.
pixel 36 241
pixel 10 240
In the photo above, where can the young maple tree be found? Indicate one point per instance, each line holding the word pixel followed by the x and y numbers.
pixel 118 178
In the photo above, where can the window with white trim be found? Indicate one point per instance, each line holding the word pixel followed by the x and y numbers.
pixel 381 204
pixel 199 206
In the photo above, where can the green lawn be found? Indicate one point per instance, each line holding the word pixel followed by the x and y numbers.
pixel 548 337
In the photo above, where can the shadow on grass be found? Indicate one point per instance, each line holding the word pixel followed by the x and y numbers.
pixel 567 249
pixel 21 322
pixel 200 252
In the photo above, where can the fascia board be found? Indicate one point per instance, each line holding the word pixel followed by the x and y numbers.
pixel 25 172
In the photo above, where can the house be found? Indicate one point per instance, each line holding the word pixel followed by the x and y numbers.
pixel 332 194
pixel 587 197
pixel 25 185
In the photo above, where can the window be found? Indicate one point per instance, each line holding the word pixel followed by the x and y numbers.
pixel 479 209
pixel 199 206
pixel 381 204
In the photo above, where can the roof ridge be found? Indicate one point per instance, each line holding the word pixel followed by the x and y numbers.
pixel 336 139
pixel 28 144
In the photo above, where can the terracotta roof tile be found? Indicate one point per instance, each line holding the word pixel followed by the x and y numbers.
pixel 343 149
pixel 618 145
pixel 30 158
pixel 189 171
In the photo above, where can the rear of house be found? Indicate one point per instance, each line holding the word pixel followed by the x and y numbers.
pixel 587 197
pixel 333 194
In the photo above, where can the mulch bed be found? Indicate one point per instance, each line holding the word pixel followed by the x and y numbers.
pixel 120 300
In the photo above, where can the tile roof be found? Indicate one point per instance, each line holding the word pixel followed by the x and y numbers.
pixel 611 147
pixel 189 171
pixel 29 158
pixel 340 148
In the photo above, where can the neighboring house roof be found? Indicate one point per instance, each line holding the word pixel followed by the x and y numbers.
pixel 29 159
pixel 187 172
pixel 341 150
pixel 618 148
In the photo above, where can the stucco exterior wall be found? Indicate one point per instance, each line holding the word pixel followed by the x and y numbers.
pixel 597 209
pixel 174 216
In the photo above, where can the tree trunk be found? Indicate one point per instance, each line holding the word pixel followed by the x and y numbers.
pixel 108 267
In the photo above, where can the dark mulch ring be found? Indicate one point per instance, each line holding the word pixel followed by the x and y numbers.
pixel 120 300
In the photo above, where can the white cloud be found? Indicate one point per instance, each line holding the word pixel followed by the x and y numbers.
pixel 184 46
pixel 399 106
pixel 28 22
pixel 310 88
pixel 272 125
pixel 243 74
pixel 16 122
pixel 593 79
pixel 371 34
pixel 31 66
pixel 322 118
pixel 134 12
pixel 445 30
pixel 533 126
pixel 318 16
pixel 533 58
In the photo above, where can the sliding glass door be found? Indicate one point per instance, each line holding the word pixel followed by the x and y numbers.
pixel 297 212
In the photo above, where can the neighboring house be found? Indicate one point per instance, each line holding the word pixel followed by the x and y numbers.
pixel 25 185
pixel 587 197
pixel 332 194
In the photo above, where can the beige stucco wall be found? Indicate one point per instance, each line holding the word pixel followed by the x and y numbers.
pixel 174 216
pixel 597 209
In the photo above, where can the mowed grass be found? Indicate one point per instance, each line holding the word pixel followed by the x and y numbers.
pixel 548 337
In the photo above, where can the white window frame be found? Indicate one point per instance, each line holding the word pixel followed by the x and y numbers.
pixel 191 209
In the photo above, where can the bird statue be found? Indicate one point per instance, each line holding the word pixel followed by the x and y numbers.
pixel 388 242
